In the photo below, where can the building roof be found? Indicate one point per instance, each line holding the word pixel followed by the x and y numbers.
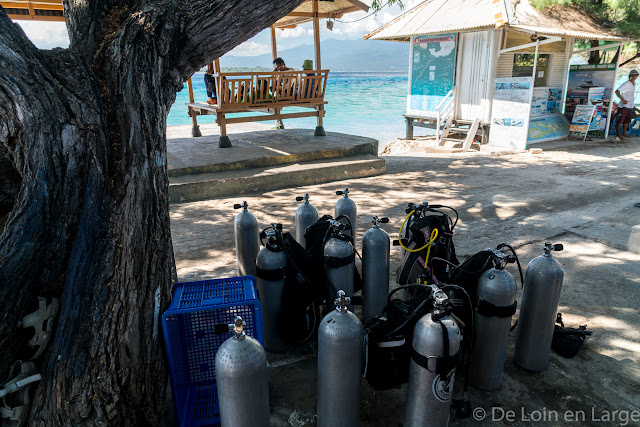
pixel 51 10
pixel 445 16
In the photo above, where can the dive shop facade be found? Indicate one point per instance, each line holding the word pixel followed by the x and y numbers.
pixel 499 69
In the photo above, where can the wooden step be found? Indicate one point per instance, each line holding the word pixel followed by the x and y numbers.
pixel 461 130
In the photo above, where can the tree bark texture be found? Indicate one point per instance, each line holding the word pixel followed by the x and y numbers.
pixel 83 183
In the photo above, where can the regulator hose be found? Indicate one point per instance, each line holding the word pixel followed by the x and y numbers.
pixel 432 238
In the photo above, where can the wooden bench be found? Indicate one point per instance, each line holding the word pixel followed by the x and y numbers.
pixel 265 92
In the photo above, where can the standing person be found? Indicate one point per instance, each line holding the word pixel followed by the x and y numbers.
pixel 626 93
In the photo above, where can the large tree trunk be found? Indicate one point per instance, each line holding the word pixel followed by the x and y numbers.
pixel 84 177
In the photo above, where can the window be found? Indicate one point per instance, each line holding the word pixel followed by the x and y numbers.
pixel 523 67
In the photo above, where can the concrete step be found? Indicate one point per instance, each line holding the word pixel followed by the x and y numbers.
pixel 189 188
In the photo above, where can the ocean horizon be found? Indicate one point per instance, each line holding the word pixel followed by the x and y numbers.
pixel 369 104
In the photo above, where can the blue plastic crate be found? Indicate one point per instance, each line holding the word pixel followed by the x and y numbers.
pixel 191 343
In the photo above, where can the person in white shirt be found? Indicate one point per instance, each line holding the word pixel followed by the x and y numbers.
pixel 626 93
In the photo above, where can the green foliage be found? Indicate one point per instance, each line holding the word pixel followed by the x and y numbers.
pixel 376 5
pixel 624 14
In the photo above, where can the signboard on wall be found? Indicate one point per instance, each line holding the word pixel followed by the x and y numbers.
pixel 432 72
pixel 584 77
pixel 510 112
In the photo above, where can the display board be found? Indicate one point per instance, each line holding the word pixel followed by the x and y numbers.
pixel 596 97
pixel 432 72
pixel 584 77
pixel 548 128
pixel 510 112
pixel 582 117
pixel 546 100
pixel 546 123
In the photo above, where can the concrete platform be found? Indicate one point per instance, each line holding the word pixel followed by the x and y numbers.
pixel 263 159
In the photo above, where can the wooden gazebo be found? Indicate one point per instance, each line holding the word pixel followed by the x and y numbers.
pixel 38 10
pixel 270 92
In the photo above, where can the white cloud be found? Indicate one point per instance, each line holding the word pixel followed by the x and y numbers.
pixel 298 32
pixel 46 35
pixel 250 48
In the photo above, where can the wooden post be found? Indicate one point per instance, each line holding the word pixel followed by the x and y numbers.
pixel 224 141
pixel 195 129
pixel 274 51
pixel 316 35
pixel 318 66
pixel 607 127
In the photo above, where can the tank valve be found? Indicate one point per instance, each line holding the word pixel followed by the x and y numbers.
pixel 376 220
pixel 237 327
pixel 244 205
pixel 345 192
pixel 548 247
pixel 342 301
pixel 305 198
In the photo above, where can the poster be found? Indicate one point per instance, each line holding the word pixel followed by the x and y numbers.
pixel 596 97
pixel 584 77
pixel 548 128
pixel 433 64
pixel 545 100
pixel 582 116
pixel 510 112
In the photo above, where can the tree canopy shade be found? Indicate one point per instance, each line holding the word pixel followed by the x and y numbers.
pixel 623 15
pixel 84 188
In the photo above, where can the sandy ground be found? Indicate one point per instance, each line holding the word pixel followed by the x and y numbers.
pixel 581 195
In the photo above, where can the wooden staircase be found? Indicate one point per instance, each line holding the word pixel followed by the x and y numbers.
pixel 459 128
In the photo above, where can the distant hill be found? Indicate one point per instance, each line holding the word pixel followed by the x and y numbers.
pixel 337 55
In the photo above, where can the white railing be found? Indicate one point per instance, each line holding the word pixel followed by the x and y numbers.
pixel 445 111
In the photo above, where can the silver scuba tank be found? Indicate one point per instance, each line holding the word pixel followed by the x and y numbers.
pixel 241 379
pixel 306 215
pixel 435 355
pixel 375 269
pixel 339 261
pixel 346 206
pixel 536 322
pixel 270 275
pixel 245 227
pixel 340 339
pixel 495 304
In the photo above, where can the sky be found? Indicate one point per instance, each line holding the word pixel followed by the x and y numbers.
pixel 47 35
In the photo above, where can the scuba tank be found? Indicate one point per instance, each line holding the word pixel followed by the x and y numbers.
pixel 241 377
pixel 346 206
pixel 495 304
pixel 536 322
pixel 306 215
pixel 375 269
pixel 245 227
pixel 339 260
pixel 340 339
pixel 435 354
pixel 270 271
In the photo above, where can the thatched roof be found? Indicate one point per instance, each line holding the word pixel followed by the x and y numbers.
pixel 51 10
pixel 445 16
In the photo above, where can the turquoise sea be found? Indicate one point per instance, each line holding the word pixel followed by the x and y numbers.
pixel 366 104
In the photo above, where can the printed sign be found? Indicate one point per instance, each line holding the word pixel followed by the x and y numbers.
pixel 584 77
pixel 432 73
pixel 582 117
pixel 510 112
pixel 548 128
pixel 596 97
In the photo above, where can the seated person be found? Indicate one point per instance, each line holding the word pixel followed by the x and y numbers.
pixel 210 84
pixel 309 84
pixel 279 65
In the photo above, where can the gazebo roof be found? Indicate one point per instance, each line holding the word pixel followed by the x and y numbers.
pixel 326 9
pixel 446 16
pixel 51 10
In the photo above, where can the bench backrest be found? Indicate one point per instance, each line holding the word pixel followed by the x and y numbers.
pixel 267 89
